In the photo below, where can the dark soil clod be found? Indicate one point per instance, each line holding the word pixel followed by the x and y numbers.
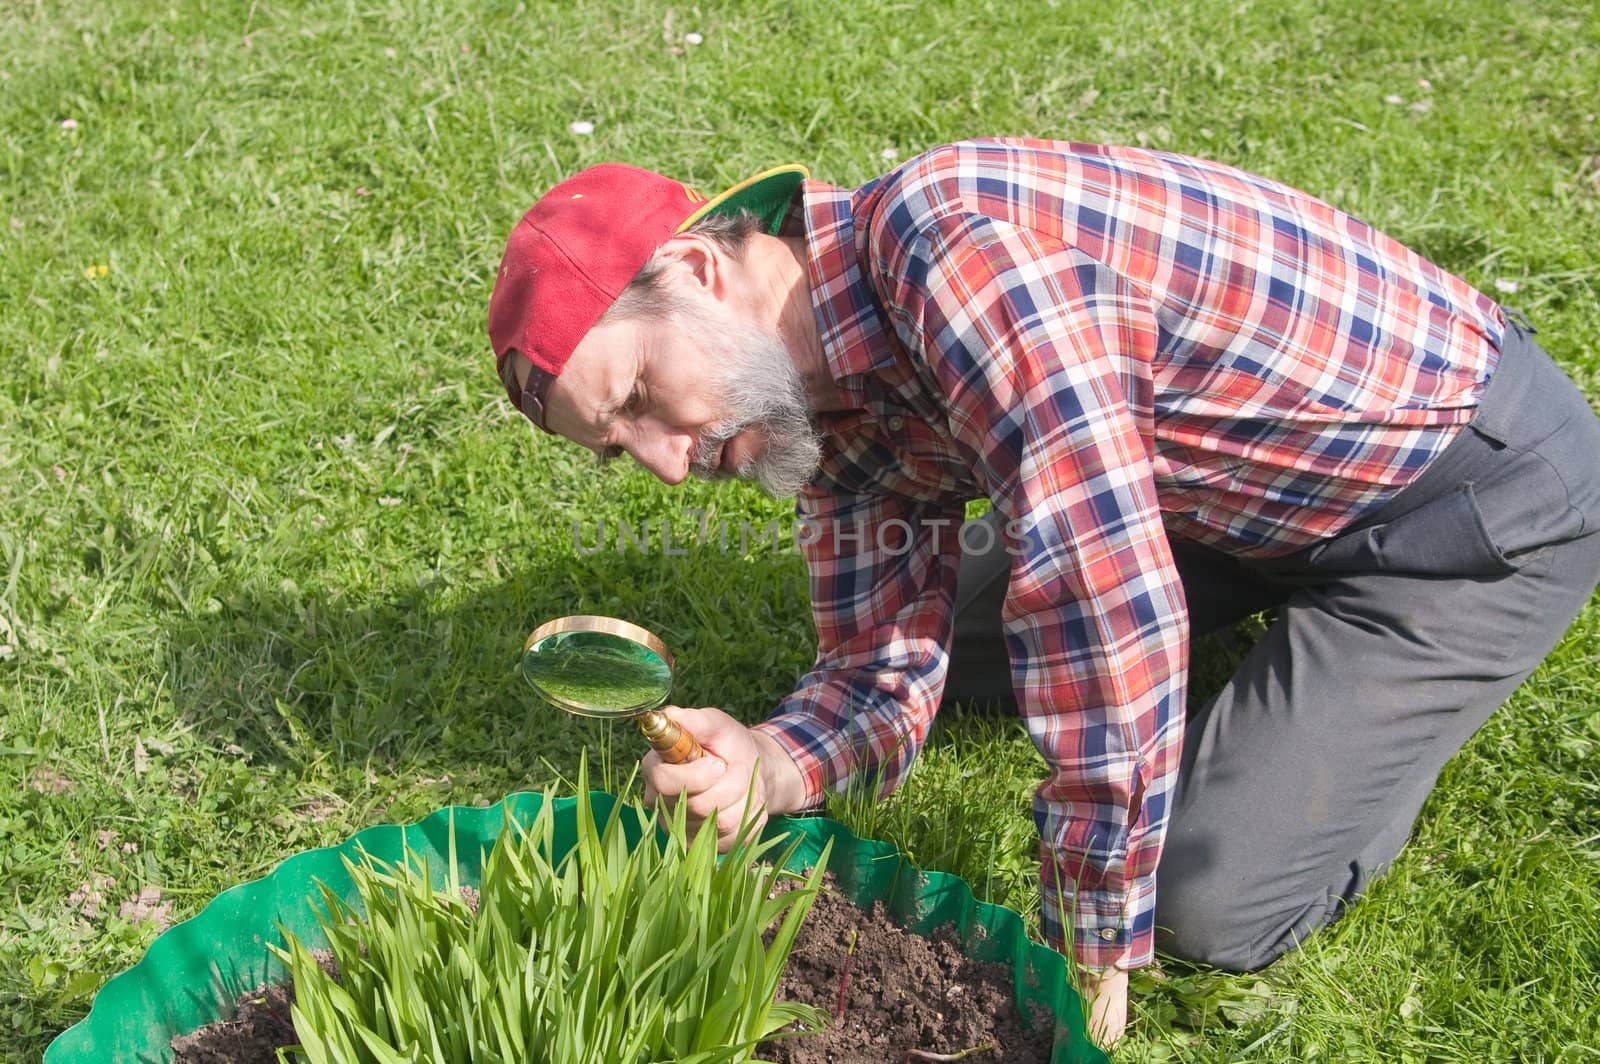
pixel 908 998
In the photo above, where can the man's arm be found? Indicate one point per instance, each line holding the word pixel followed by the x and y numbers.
pixel 882 575
pixel 882 572
pixel 1043 354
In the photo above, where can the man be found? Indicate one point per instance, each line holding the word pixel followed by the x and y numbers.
pixel 1189 394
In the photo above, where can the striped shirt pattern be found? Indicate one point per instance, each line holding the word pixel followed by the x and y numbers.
pixel 1115 347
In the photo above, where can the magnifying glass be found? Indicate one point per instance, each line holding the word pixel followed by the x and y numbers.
pixel 602 667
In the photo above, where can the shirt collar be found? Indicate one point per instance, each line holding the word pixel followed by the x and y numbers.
pixel 850 321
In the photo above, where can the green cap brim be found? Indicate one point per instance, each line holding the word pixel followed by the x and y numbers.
pixel 767 195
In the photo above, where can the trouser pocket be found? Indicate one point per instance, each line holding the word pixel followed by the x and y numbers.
pixel 1446 536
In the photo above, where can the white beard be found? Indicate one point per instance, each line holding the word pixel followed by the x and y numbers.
pixel 761 388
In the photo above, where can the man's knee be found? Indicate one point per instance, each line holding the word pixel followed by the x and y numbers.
pixel 1209 935
pixel 1236 923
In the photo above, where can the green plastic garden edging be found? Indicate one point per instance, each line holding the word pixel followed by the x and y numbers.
pixel 197 969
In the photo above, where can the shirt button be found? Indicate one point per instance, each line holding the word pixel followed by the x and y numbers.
pixel 1108 933
pixel 896 424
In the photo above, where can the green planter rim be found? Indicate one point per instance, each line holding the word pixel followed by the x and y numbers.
pixel 198 968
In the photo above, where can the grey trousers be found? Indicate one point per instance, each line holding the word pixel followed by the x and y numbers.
pixel 1393 642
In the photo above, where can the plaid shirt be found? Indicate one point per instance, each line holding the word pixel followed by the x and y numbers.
pixel 1114 347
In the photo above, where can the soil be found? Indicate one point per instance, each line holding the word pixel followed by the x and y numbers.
pixel 259 1025
pixel 907 999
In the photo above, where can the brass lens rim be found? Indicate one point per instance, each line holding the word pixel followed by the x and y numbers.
pixel 590 622
pixel 610 626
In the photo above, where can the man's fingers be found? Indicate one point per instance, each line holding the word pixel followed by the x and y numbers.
pixel 1108 1005
pixel 713 729
pixel 726 797
pixel 648 766
pixel 695 777
pixel 719 784
pixel 731 818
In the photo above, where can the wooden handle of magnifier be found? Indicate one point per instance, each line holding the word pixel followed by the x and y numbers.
pixel 672 742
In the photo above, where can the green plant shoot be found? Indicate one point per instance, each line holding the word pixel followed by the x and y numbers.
pixel 617 951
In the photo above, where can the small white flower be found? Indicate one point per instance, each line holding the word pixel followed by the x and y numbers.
pixel 388 500
pixel 580 128
pixel 1422 107
pixel 1424 84
pixel 693 38
pixel 889 155
pixel 390 53
pixel 1396 100
pixel 1508 287
pixel 69 123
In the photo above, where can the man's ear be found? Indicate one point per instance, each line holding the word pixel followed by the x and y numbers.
pixel 698 263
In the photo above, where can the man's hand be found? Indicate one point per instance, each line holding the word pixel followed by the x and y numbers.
pixel 1106 995
pixel 726 779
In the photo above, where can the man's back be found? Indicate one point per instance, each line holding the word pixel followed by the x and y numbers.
pixel 1277 354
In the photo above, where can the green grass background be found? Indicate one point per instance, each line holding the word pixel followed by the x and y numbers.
pixel 272 537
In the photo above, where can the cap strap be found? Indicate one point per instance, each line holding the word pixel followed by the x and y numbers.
pixel 530 397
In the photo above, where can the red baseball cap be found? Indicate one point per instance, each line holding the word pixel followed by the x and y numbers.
pixel 573 253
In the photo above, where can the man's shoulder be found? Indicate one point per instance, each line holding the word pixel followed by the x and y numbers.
pixel 910 201
pixel 986 178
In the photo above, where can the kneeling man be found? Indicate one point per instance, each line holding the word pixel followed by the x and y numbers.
pixel 1189 394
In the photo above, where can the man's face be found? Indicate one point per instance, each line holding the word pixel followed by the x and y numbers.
pixel 696 391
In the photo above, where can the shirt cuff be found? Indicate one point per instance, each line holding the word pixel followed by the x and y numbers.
pixel 1111 929
pixel 804 739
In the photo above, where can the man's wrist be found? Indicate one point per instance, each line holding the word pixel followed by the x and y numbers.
pixel 1102 976
pixel 782 781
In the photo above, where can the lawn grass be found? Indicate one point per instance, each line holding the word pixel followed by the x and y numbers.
pixel 272 536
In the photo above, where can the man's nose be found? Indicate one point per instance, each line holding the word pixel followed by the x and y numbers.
pixel 665 453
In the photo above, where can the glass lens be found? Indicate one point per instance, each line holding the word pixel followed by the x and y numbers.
pixel 597 674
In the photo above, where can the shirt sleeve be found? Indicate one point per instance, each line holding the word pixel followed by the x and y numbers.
pixel 1044 356
pixel 882 572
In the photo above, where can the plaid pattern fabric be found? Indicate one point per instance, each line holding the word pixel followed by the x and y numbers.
pixel 1115 347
